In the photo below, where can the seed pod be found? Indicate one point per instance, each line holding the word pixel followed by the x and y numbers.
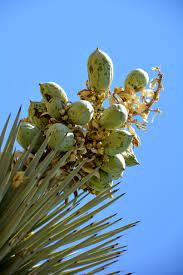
pixel 61 137
pixel 54 106
pixel 130 158
pixel 137 80
pixel 26 133
pixel 36 109
pixel 114 166
pixel 114 117
pixel 80 112
pixel 52 89
pixel 117 142
pixel 100 71
pixel 101 184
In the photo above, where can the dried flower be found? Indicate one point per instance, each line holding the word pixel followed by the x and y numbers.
pixel 18 179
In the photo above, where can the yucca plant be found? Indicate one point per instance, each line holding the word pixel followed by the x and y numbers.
pixel 70 148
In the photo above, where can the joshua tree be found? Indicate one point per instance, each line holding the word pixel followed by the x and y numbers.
pixel 70 148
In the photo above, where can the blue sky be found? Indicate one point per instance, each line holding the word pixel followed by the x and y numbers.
pixel 51 41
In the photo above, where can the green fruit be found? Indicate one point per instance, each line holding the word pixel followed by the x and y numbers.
pixel 130 158
pixel 101 184
pixel 80 112
pixel 54 106
pixel 100 71
pixel 114 166
pixel 61 137
pixel 137 79
pixel 114 117
pixel 117 142
pixel 26 133
pixel 52 89
pixel 36 109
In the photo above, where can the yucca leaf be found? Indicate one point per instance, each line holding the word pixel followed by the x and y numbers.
pixel 34 236
pixel 6 155
pixel 39 229
pixel 23 203
pixel 22 191
pixel 3 132
pixel 89 266
pixel 41 212
pixel 92 241
pixel 113 273
pixel 67 263
pixel 62 206
pixel 44 184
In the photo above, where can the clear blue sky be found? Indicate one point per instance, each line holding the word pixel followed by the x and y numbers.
pixel 51 40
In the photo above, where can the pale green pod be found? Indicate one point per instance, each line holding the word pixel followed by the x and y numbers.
pixel 114 166
pixel 137 79
pixel 114 117
pixel 52 89
pixel 61 137
pixel 35 111
pixel 80 112
pixel 117 142
pixel 101 184
pixel 130 158
pixel 54 106
pixel 26 133
pixel 100 71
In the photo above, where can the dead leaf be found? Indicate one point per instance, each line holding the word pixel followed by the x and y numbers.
pixel 18 179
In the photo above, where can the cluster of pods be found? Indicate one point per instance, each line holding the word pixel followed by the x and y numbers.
pixel 86 127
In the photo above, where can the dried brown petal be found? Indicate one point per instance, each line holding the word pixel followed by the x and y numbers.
pixel 18 179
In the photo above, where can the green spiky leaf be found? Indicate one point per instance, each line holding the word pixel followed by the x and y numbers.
pixel 39 232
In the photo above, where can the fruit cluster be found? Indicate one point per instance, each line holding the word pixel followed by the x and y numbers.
pixel 104 136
